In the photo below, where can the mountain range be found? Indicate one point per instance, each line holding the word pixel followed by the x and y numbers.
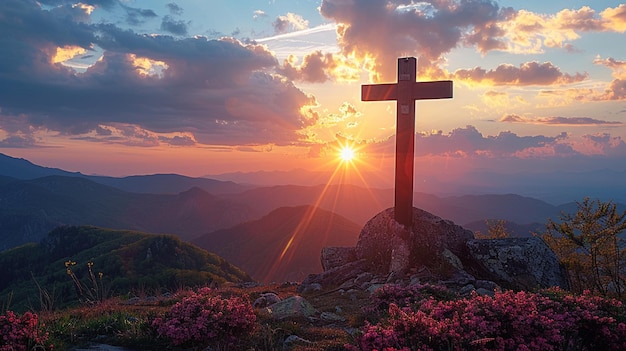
pixel 284 245
pixel 260 228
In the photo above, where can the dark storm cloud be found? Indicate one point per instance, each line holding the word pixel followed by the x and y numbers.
pixel 221 91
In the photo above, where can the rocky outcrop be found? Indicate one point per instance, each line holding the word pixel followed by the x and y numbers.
pixel 439 251
pixel 333 257
pixel 523 262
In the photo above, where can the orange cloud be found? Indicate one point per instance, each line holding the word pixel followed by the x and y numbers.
pixel 559 121
pixel 529 73
pixel 67 52
pixel 614 91
pixel 318 67
pixel 529 32
pixel 147 67
pixel 615 18
pixel 618 67
pixel 289 22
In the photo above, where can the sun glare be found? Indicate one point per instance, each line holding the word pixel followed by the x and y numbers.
pixel 347 154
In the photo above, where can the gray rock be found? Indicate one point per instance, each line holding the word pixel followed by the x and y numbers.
pixel 486 284
pixel 292 308
pixel 485 292
pixel 293 340
pixel 265 300
pixel 523 263
pixel 363 277
pixel 309 288
pixel 333 257
pixel 331 317
pixel 467 289
pixel 335 276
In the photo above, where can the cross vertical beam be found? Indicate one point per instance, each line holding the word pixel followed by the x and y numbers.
pixel 405 92
pixel 405 142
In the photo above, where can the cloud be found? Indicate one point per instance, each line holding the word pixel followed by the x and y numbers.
pixel 136 16
pixel 376 33
pixel 174 9
pixel 529 73
pixel 471 145
pixel 618 67
pixel 219 91
pixel 560 121
pixel 179 140
pixel 258 14
pixel 173 26
pixel 381 31
pixel 613 91
pixel 528 32
pixel 18 142
pixel 318 67
pixel 288 23
pixel 502 100
pixel 615 18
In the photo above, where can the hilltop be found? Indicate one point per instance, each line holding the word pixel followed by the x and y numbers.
pixel 131 262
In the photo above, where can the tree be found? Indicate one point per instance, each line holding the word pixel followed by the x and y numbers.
pixel 496 229
pixel 589 246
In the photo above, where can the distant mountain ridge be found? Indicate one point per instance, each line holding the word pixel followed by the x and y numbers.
pixel 284 245
pixel 20 168
pixel 31 208
pixel 150 184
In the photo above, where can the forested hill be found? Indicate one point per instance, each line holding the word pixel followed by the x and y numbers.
pixel 130 262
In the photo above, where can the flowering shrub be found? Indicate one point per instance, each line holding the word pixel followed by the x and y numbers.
pixel 21 333
pixel 407 296
pixel 508 321
pixel 203 318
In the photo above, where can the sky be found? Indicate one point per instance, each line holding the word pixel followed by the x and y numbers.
pixel 125 87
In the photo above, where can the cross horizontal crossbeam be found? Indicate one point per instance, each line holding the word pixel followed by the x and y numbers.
pixel 441 89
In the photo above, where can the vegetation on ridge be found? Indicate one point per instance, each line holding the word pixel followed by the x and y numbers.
pixel 129 261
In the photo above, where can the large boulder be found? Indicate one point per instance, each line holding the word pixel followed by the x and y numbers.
pixel 523 263
pixel 427 239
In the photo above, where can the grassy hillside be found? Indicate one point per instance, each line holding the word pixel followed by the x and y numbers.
pixel 283 246
pixel 130 262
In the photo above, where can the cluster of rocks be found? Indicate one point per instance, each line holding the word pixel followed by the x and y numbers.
pixel 436 251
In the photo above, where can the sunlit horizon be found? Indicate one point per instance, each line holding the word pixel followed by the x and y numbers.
pixel 218 88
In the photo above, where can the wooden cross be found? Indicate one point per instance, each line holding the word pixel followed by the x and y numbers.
pixel 405 92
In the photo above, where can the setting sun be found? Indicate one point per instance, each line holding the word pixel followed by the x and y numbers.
pixel 347 154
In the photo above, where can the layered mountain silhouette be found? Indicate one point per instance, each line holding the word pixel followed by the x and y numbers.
pixel 19 168
pixel 34 200
pixel 283 246
pixel 31 208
